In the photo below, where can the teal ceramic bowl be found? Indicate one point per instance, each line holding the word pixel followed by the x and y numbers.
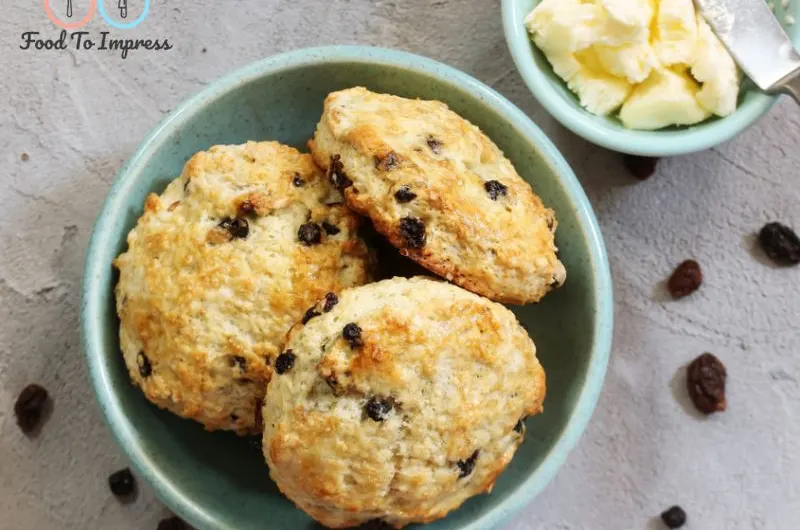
pixel 219 481
pixel 562 104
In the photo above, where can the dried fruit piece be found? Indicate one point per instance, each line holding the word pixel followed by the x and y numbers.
pixel 378 409
pixel 466 466
pixel 705 380
pixel 434 144
pixel 780 243
pixel 388 162
pixel 413 232
pixel 495 189
pixel 674 517
pixel 297 181
pixel 330 229
pixel 641 167
pixel 145 368
pixel 686 279
pixel 311 313
pixel 310 234
pixel 122 483
pixel 239 361
pixel 30 406
pixel 172 523
pixel 238 228
pixel 336 173
pixel 247 207
pixel 330 301
pixel 404 195
pixel 352 334
pixel 285 362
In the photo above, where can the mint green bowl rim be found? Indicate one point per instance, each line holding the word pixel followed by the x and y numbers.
pixel 648 143
pixel 91 310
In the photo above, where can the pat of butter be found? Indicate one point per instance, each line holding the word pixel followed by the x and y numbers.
pixel 644 58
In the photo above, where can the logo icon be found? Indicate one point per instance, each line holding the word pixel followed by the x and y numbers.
pixel 97 5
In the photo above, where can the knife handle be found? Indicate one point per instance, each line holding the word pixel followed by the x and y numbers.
pixel 791 86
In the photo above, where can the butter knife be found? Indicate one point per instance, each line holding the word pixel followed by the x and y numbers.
pixel 755 39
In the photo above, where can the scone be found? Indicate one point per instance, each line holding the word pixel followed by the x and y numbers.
pixel 400 401
pixel 217 270
pixel 441 192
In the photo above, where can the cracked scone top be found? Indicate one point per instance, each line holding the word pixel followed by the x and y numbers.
pixel 440 191
pixel 399 402
pixel 218 269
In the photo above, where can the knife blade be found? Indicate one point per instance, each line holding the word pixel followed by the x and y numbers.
pixel 754 37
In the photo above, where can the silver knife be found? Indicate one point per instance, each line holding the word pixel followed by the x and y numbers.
pixel 755 39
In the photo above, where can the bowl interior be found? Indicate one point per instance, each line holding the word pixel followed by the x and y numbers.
pixel 216 480
pixel 609 132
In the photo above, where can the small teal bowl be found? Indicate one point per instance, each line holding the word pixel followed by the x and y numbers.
pixel 219 481
pixel 562 104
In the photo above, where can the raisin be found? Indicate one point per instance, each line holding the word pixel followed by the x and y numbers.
pixel 297 181
pixel 30 406
pixel 404 195
pixel 172 523
pixel 434 144
pixel 122 483
pixel 495 189
pixel 686 279
pixel 239 361
pixel 330 300
pixel 238 228
pixel 311 313
pixel 675 517
pixel 520 426
pixel 705 380
pixel 466 466
pixel 333 383
pixel 378 409
pixel 145 368
pixel 413 231
pixel 352 334
pixel 641 167
pixel 330 229
pixel 336 174
pixel 310 234
pixel 234 417
pixel 247 207
pixel 285 362
pixel 387 163
pixel 780 243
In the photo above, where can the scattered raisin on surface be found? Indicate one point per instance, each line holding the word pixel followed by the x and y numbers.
pixel 387 163
pixel 122 482
pixel 434 144
pixel 311 313
pixel 234 417
pixel 238 228
pixel 404 195
pixel 641 167
pixel 172 523
pixel 378 409
pixel 705 380
pixel 30 406
pixel 145 368
pixel 520 426
pixel 297 181
pixel 466 466
pixel 336 174
pixel 686 279
pixel 674 517
pixel 495 189
pixel 239 361
pixel 310 234
pixel 413 232
pixel 25 157
pixel 330 301
pixel 285 362
pixel 247 207
pixel 330 229
pixel 780 243
pixel 352 334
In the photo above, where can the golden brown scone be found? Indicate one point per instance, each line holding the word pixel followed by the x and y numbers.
pixel 218 269
pixel 440 191
pixel 399 402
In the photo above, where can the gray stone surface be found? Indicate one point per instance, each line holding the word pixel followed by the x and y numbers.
pixel 79 115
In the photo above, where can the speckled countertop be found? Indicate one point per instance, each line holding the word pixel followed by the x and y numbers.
pixel 78 115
